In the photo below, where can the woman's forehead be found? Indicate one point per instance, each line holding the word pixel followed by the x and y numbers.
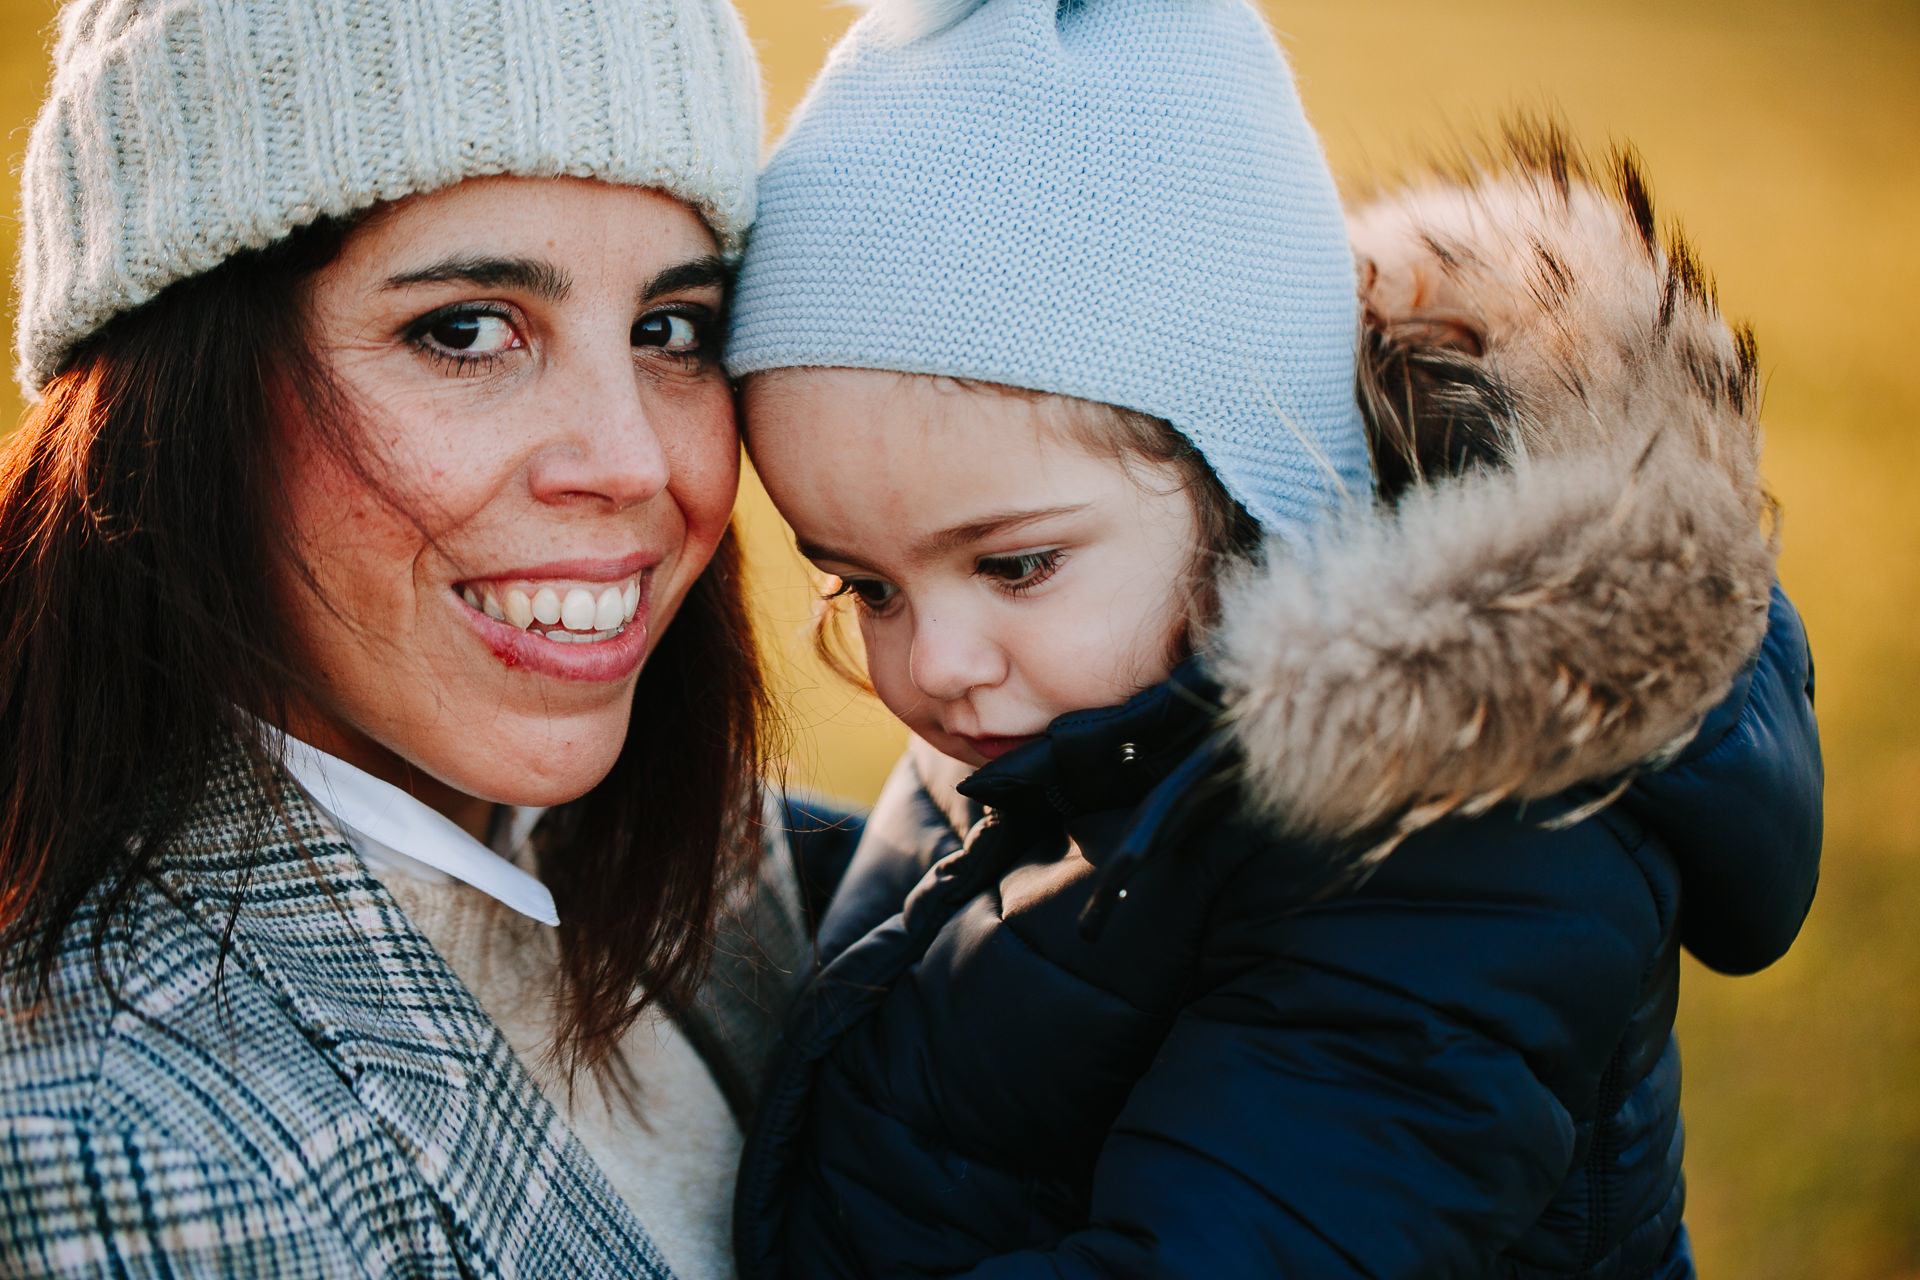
pixel 547 235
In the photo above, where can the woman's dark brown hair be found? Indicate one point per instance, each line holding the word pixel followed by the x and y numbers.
pixel 141 515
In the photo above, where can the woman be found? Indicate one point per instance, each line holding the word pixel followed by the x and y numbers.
pixel 381 699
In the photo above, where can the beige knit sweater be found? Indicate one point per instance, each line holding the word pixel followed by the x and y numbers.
pixel 674 1162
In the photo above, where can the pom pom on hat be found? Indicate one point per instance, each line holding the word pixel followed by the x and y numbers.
pixel 904 21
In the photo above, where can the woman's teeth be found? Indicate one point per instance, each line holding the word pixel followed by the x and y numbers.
pixel 571 615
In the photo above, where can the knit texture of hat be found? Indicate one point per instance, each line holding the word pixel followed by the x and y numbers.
pixel 1119 200
pixel 180 132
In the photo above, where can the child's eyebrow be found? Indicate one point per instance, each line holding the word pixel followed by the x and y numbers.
pixel 959 535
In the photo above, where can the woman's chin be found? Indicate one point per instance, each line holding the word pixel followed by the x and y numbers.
pixel 544 764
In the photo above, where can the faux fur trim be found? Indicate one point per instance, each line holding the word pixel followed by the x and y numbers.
pixel 1572 552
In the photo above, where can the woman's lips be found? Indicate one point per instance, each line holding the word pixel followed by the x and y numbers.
pixel 577 620
pixel 562 611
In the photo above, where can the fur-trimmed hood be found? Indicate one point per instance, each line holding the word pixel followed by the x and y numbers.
pixel 1571 552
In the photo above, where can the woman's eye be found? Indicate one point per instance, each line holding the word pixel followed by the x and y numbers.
pixel 466 338
pixel 870 594
pixel 670 331
pixel 473 334
pixel 1021 572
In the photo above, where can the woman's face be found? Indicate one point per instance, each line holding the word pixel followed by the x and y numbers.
pixel 545 460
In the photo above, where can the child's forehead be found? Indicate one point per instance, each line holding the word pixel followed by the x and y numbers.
pixel 945 411
pixel 872 457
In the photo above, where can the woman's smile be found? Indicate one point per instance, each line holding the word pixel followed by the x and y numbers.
pixel 577 620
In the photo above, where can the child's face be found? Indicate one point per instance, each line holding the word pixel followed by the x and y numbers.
pixel 1003 574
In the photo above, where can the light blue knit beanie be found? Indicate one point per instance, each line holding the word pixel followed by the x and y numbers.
pixel 1118 200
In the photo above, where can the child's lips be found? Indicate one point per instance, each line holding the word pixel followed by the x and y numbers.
pixel 993 746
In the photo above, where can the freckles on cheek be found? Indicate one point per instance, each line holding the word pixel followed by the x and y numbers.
pixel 706 483
pixel 712 503
pixel 324 497
pixel 353 544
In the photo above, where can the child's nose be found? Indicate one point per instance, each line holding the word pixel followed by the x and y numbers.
pixel 950 659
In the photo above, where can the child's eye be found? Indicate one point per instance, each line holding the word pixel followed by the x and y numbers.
pixel 872 594
pixel 1022 572
pixel 469 336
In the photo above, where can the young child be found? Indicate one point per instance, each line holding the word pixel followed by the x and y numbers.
pixel 1310 909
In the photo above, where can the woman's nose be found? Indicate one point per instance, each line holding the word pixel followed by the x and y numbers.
pixel 952 658
pixel 603 445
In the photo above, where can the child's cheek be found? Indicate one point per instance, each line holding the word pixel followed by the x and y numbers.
pixel 1113 646
pixel 889 656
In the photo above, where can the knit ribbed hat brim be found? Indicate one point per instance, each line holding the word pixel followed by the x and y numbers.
pixel 179 132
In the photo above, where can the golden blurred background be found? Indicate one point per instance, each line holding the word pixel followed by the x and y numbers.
pixel 1787 136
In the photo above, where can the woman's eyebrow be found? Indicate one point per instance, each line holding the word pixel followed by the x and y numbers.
pixel 530 275
pixel 698 273
pixel 544 280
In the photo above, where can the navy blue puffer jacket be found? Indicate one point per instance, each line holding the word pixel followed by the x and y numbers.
pixel 1464 1066
pixel 1353 948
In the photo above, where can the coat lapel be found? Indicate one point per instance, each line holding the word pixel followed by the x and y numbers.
pixel 519 1195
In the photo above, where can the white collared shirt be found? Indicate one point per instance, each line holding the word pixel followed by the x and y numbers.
pixel 395 833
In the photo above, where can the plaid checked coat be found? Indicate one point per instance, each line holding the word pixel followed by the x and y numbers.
pixel 336 1105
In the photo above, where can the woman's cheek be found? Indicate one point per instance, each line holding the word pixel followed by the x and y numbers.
pixel 336 534
pixel 705 463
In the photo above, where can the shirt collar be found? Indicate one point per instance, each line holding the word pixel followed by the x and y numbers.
pixel 390 829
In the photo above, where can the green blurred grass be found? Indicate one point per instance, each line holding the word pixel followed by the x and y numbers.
pixel 1788 138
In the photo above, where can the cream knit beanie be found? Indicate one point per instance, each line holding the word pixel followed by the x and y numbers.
pixel 180 132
